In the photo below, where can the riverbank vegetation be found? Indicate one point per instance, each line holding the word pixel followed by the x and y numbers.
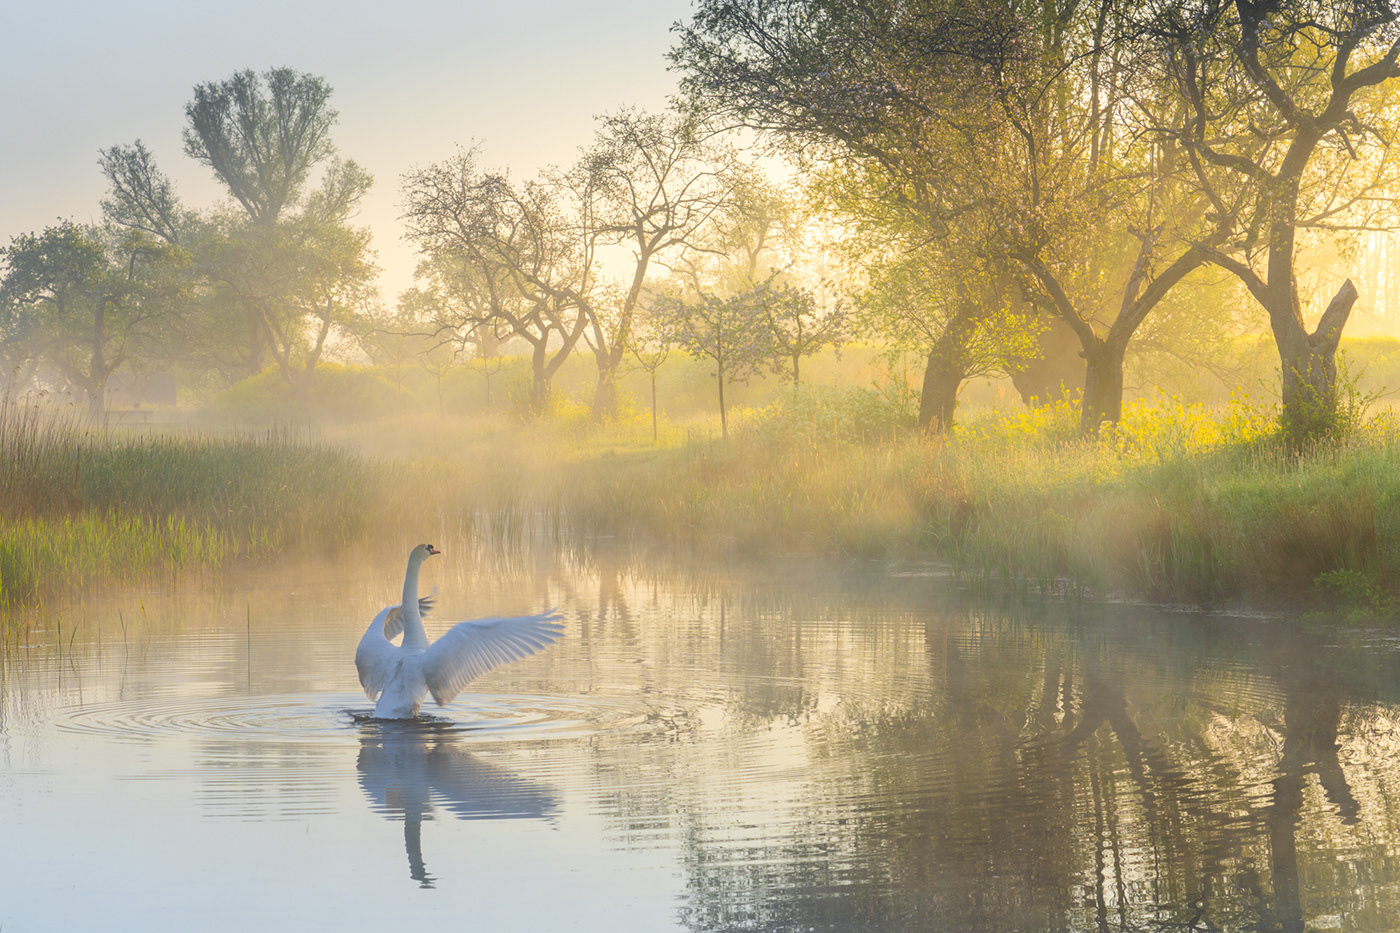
pixel 1179 502
pixel 80 506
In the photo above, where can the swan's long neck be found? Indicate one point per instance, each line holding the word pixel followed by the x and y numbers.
pixel 414 635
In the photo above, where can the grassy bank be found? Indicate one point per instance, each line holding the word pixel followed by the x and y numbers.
pixel 78 506
pixel 1178 503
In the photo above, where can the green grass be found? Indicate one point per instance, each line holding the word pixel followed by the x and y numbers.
pixel 78 506
pixel 1178 503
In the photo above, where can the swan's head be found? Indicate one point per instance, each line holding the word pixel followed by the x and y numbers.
pixel 422 552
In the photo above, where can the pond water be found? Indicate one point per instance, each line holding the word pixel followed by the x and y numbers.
pixel 795 747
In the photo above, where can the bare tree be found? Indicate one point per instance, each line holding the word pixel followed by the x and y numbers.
pixel 501 253
pixel 648 186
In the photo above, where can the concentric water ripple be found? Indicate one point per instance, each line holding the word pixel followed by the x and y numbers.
pixel 333 718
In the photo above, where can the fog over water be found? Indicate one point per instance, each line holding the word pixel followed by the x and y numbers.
pixel 858 481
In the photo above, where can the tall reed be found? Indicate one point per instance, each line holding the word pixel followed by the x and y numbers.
pixel 78 505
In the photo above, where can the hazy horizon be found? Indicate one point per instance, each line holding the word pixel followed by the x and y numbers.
pixel 411 84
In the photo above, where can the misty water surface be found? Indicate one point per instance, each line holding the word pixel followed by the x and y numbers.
pixel 792 747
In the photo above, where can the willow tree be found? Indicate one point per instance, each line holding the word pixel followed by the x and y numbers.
pixel 287 269
pixel 947 298
pixel 140 196
pixel 1091 206
pixel 855 87
pixel 262 136
pixel 1018 119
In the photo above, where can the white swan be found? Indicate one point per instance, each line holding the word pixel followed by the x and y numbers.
pixel 399 677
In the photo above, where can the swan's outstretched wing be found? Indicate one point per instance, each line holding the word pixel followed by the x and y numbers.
pixel 376 652
pixel 470 649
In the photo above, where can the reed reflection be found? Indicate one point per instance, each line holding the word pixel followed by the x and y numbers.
pixel 409 770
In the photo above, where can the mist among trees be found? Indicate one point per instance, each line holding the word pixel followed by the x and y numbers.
pixel 1040 193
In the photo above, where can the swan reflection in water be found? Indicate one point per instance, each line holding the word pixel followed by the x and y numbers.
pixel 410 769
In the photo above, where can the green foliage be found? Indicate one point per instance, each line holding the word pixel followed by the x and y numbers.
pixel 261 135
pixel 78 507
pixel 831 415
pixel 1363 597
pixel 88 302
pixel 1177 502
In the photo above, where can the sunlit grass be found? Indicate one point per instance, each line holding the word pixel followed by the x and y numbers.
pixel 78 506
pixel 1179 502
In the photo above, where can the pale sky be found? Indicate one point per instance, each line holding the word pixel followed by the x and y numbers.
pixel 412 80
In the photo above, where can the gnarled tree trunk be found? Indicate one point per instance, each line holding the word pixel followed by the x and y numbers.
pixel 1309 366
pixel 938 398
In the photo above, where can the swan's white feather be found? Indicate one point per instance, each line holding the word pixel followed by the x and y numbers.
pixel 399 677
pixel 375 655
pixel 470 649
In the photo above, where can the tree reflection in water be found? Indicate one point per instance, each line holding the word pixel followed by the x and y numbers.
pixel 1052 777
pixel 810 751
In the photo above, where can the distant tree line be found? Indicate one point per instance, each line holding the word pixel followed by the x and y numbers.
pixel 1029 190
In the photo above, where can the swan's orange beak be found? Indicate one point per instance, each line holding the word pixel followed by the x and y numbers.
pixel 432 550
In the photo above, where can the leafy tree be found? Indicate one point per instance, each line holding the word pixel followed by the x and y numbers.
pixel 488 367
pixel 870 97
pixel 88 304
pixel 960 322
pixel 416 333
pixel 650 349
pixel 1091 207
pixel 141 196
pixel 262 135
pixel 1282 112
pixel 395 343
pixel 798 328
pixel 298 284
pixel 949 299
pixel 643 189
pixel 439 357
pixel 730 331
pixel 1004 126
pixel 295 272
pixel 756 237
